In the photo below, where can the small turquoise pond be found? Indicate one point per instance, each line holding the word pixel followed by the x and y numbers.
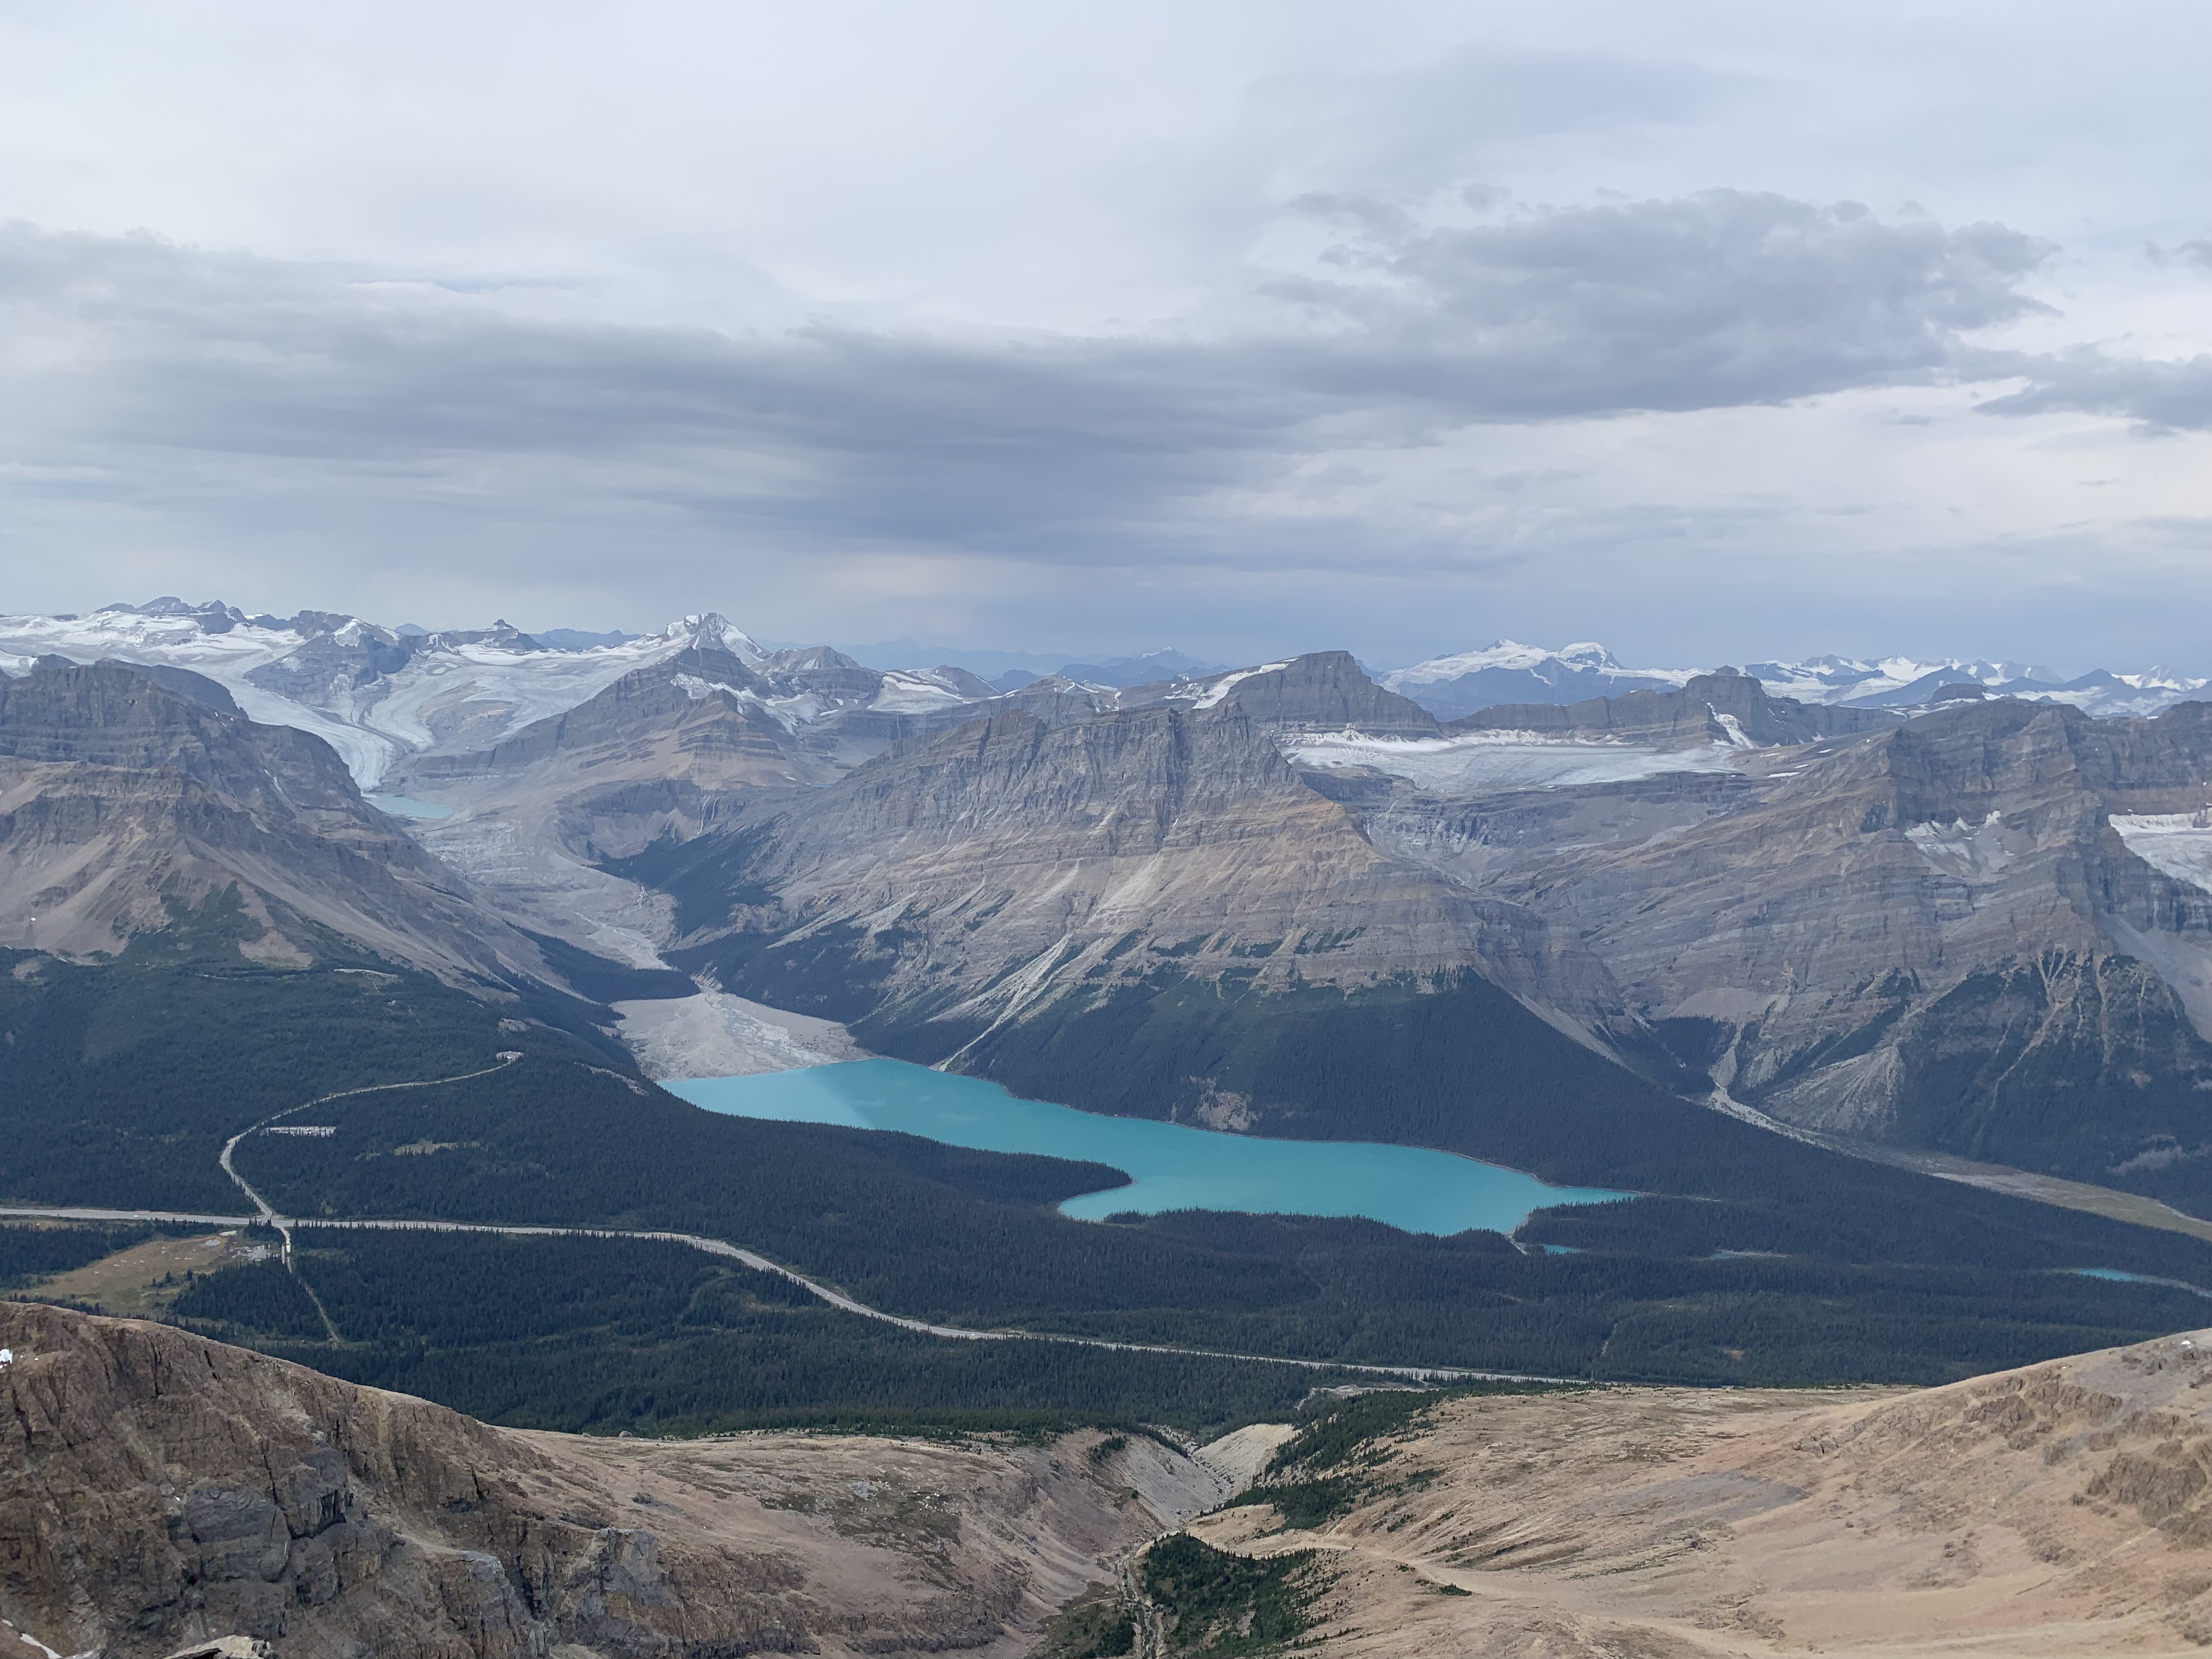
pixel 404 806
pixel 1172 1167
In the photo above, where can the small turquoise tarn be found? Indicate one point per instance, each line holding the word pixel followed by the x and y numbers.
pixel 405 806
pixel 1172 1167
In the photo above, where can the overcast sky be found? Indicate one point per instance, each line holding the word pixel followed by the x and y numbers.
pixel 1710 331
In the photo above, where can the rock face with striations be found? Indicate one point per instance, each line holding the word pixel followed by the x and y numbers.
pixel 1723 707
pixel 985 875
pixel 158 1489
pixel 1931 935
pixel 122 797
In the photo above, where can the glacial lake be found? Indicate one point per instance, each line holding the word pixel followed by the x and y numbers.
pixel 1173 1166
pixel 405 806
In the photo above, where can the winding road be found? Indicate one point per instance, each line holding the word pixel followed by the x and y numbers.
pixel 265 1215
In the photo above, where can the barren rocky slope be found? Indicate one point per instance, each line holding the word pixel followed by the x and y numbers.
pixel 122 799
pixel 670 748
pixel 157 1488
pixel 1018 863
pixel 1931 935
pixel 2061 1510
pixel 1723 707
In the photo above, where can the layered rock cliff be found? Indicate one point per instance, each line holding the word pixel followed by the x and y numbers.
pixel 157 1489
pixel 1723 707
pixel 122 800
pixel 1020 864
pixel 1931 935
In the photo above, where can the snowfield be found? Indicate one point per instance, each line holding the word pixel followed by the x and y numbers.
pixel 1509 671
pixel 2177 844
pixel 1476 762
pixel 917 691
pixel 481 693
pixel 1586 655
pixel 1211 692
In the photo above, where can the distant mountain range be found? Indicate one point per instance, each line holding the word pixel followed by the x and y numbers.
pixel 378 695
pixel 383 695
pixel 1508 672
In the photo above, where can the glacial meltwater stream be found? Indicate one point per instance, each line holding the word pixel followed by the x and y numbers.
pixel 1172 1167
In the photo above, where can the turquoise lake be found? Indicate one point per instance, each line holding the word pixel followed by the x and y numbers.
pixel 1173 1167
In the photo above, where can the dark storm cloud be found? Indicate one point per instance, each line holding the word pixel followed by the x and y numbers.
pixel 180 374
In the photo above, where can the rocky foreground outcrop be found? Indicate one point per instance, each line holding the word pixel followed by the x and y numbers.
pixel 157 1490
pixel 2064 1509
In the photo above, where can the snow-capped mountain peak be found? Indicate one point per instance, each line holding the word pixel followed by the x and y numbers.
pixel 707 630
pixel 1586 654
pixel 1507 670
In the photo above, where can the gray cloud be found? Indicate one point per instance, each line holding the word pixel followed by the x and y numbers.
pixel 156 363
pixel 2161 396
pixel 1715 299
pixel 2199 252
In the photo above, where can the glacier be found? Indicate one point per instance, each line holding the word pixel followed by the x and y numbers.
pixel 454 690
pixel 1477 761
pixel 2177 844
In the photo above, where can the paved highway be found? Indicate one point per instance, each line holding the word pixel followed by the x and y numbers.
pixel 265 1215
pixel 760 1263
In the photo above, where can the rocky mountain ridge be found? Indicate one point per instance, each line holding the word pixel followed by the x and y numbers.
pixel 1508 671
pixel 1928 932
pixel 1727 708
pixel 162 1492
pixel 1938 933
pixel 380 694
pixel 125 796
pixel 1019 864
